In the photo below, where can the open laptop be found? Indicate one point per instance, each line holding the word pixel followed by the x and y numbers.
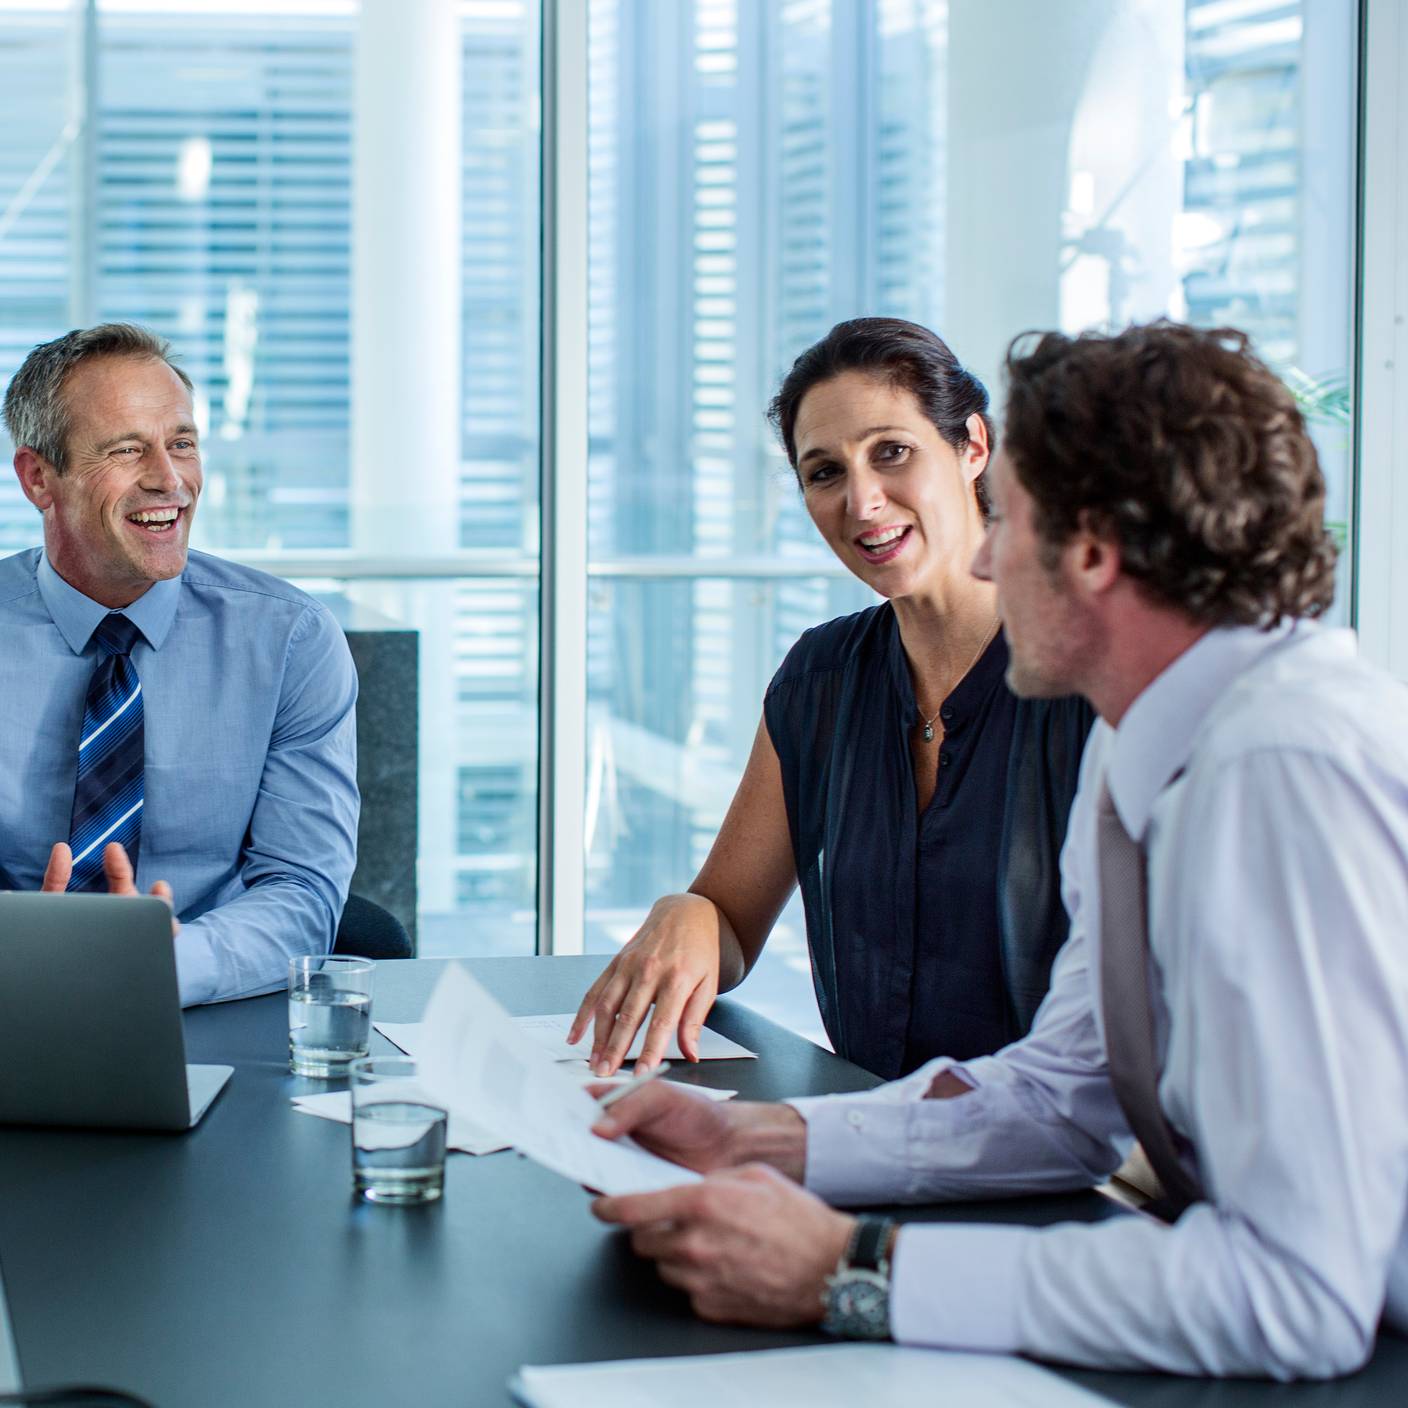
pixel 90 1016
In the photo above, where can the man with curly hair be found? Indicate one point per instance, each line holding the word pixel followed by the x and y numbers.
pixel 1234 993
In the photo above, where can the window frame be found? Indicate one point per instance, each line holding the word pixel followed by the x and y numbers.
pixel 1380 476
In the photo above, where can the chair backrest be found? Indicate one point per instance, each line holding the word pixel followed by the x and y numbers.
pixel 367 930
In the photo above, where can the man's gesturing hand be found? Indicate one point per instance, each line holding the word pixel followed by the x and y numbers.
pixel 746 1245
pixel 116 868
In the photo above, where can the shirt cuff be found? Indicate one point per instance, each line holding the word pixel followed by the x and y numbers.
pixel 956 1287
pixel 197 965
pixel 855 1149
pixel 859 1145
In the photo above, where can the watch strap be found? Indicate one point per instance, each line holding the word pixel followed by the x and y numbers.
pixel 869 1238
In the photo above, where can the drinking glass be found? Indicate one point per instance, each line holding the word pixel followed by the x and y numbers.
pixel 329 1013
pixel 398 1133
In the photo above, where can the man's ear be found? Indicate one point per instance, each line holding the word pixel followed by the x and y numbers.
pixel 36 475
pixel 1093 559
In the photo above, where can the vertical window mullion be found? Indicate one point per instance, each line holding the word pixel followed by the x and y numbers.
pixel 563 482
pixel 86 118
pixel 1380 536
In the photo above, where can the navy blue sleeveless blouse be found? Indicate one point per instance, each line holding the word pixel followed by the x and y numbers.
pixel 929 935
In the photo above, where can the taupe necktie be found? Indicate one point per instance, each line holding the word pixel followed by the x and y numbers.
pixel 1128 1006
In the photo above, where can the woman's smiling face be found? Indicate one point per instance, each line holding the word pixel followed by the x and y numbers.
pixel 891 497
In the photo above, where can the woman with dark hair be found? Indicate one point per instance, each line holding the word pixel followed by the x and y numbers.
pixel 917 802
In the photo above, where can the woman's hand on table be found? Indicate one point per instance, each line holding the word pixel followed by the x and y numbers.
pixel 672 965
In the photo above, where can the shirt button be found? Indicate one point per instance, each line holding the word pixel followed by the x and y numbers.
pixel 855 1119
pixel 944 760
pixel 946 714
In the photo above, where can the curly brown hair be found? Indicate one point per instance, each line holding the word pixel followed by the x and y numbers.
pixel 1186 449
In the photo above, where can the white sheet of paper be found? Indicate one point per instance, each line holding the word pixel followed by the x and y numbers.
pixel 461 1134
pixel 551 1032
pixel 827 1376
pixel 582 1072
pixel 472 1055
pixel 407 1035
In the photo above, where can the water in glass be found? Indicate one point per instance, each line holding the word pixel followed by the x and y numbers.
pixel 398 1151
pixel 327 1027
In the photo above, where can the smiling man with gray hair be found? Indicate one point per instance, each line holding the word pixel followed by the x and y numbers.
pixel 173 721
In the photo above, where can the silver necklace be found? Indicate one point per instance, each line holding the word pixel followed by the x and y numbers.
pixel 929 722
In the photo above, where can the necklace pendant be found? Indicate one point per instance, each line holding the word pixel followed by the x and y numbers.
pixel 928 733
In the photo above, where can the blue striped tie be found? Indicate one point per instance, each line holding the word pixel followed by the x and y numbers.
pixel 107 798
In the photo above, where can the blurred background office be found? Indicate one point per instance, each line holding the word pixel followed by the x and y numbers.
pixel 484 300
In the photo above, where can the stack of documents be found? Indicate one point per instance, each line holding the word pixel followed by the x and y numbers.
pixel 828 1376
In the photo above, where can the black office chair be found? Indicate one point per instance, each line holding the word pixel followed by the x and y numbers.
pixel 366 930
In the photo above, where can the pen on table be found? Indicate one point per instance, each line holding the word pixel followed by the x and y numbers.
pixel 635 1082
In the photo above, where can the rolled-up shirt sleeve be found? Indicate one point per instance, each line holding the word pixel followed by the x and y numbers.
pixel 301 846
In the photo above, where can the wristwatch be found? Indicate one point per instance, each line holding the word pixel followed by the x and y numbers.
pixel 858 1291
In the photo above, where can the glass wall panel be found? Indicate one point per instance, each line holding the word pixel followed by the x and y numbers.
pixel 478 756
pixel 224 181
pixel 761 169
pixel 39 165
pixel 677 668
pixel 218 209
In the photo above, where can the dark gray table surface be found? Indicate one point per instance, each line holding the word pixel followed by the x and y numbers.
pixel 231 1267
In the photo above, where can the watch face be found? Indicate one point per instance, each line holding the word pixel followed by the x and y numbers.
pixel 858 1306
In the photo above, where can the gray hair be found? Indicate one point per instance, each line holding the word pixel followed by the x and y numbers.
pixel 36 412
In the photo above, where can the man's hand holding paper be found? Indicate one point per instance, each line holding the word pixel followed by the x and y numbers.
pixel 478 1062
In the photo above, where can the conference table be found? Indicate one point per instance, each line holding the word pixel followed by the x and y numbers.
pixel 231 1267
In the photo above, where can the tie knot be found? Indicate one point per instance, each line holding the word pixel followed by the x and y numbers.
pixel 116 635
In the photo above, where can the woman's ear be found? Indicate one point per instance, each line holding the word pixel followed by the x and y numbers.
pixel 976 452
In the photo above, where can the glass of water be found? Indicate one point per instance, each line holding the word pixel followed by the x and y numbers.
pixel 398 1133
pixel 329 1013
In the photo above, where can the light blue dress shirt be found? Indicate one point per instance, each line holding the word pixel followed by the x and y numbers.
pixel 1266 774
pixel 251 795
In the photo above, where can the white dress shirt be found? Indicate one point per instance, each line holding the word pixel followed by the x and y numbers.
pixel 1266 775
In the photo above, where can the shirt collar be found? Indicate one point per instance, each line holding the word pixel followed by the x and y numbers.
pixel 1156 735
pixel 77 616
